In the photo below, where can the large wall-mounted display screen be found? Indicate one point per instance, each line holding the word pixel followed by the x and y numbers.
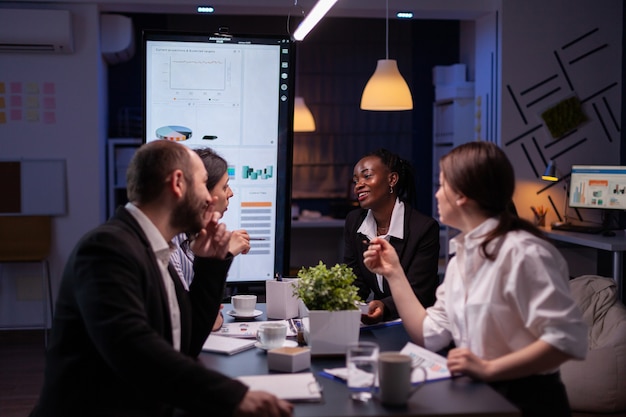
pixel 234 94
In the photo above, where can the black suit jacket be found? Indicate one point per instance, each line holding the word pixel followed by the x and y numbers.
pixel 110 351
pixel 418 253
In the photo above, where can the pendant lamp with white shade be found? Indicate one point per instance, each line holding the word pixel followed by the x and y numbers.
pixel 303 120
pixel 386 90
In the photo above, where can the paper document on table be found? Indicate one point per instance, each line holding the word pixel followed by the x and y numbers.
pixel 434 364
pixel 301 387
pixel 248 329
pixel 226 345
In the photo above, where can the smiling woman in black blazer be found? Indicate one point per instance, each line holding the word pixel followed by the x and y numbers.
pixel 384 188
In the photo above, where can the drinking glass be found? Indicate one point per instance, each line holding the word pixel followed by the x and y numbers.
pixel 361 364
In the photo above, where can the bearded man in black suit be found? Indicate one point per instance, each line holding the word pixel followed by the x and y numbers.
pixel 126 334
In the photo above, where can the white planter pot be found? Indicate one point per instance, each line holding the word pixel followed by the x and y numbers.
pixel 330 332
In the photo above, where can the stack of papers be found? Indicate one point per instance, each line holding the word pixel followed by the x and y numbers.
pixel 435 365
pixel 301 387
pixel 226 345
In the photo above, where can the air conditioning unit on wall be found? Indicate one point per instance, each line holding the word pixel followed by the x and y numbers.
pixel 117 38
pixel 36 30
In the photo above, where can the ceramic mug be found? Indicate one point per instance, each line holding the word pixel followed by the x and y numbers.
pixel 394 378
pixel 243 304
pixel 272 335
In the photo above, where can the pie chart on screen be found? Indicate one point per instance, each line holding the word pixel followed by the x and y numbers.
pixel 175 133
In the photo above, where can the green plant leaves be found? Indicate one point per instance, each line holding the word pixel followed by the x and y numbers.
pixel 331 289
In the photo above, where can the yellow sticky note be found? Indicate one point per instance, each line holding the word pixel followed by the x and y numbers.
pixel 32 102
pixel 32 88
pixel 32 116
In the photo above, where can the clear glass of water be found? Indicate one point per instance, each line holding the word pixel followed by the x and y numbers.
pixel 361 364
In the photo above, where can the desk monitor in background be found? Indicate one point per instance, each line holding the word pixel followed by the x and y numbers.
pixel 598 187
pixel 234 94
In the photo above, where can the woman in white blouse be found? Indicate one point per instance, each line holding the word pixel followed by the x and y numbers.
pixel 504 301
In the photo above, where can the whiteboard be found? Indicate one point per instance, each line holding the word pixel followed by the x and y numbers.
pixel 43 188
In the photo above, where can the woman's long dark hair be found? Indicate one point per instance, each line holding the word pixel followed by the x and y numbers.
pixel 215 166
pixel 482 172
pixel 405 187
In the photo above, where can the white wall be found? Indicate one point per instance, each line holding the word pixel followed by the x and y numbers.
pixel 75 133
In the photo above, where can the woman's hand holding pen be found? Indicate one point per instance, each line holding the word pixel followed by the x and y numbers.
pixel 381 258
pixel 239 242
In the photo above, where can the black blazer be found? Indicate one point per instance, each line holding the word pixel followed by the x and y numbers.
pixel 110 351
pixel 418 253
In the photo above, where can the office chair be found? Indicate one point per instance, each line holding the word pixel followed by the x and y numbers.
pixel 27 239
pixel 594 384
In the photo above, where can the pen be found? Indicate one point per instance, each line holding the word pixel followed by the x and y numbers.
pixel 258 238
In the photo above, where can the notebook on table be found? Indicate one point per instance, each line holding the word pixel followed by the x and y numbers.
pixel 298 387
pixel 227 345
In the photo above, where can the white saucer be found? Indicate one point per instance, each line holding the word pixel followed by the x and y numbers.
pixel 255 313
pixel 288 343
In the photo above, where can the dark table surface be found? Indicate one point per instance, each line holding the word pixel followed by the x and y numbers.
pixel 450 397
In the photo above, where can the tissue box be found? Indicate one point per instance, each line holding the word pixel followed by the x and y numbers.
pixel 279 298
pixel 289 359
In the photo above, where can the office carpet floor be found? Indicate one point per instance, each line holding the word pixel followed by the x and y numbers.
pixel 21 373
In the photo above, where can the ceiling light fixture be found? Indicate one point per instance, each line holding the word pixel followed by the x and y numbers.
pixel 205 9
pixel 386 90
pixel 404 15
pixel 315 15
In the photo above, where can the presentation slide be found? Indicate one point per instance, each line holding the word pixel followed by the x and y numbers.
pixel 234 96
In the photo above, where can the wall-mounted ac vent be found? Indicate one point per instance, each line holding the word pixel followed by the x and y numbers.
pixel 117 38
pixel 36 30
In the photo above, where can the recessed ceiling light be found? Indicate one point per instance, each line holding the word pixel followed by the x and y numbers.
pixel 404 15
pixel 205 9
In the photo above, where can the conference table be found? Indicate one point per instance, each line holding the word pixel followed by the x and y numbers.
pixel 450 397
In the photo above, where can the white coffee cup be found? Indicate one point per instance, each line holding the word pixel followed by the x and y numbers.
pixel 243 304
pixel 394 378
pixel 272 335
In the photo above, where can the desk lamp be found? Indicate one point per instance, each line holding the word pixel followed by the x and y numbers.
pixel 551 175
pixel 550 172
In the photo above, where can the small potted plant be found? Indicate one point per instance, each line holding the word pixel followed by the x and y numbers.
pixel 332 300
